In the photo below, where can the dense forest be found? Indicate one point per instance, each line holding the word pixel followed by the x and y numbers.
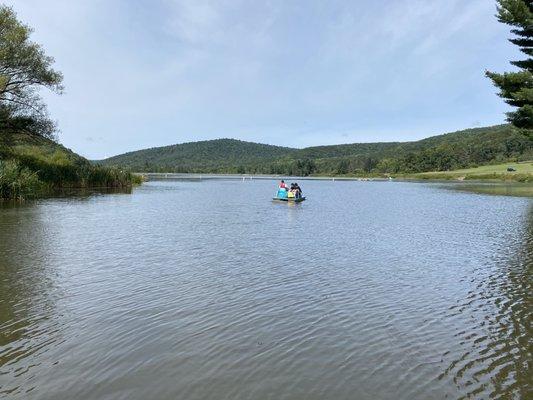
pixel 462 149
pixel 207 156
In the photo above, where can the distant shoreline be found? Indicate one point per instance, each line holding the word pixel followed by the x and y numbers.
pixel 420 177
pixel 207 176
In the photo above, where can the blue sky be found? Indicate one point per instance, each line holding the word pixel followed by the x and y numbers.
pixel 297 73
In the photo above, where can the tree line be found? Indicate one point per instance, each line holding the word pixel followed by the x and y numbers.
pixel 455 150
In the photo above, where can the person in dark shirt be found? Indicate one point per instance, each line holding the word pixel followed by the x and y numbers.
pixel 297 190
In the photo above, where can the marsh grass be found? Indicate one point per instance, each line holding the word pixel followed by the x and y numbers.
pixel 17 182
pixel 29 169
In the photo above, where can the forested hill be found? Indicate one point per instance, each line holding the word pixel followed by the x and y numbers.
pixel 208 156
pixel 460 149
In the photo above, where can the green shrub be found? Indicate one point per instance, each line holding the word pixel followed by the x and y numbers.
pixel 137 179
pixel 29 170
pixel 18 182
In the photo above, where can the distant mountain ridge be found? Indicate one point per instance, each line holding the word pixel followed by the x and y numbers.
pixel 442 152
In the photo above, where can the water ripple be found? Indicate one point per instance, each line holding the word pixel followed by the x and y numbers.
pixel 182 290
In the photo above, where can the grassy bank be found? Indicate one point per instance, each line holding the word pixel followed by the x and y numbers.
pixel 30 167
pixel 523 173
pixel 497 172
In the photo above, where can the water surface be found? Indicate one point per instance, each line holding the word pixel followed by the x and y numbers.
pixel 208 290
pixel 496 188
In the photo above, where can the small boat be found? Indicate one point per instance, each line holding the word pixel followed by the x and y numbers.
pixel 289 199
pixel 289 196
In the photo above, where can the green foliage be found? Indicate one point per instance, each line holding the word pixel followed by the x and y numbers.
pixel 16 181
pixel 24 68
pixel 517 87
pixel 439 153
pixel 137 179
pixel 343 167
pixel 222 155
pixel 31 165
pixel 515 12
pixel 62 172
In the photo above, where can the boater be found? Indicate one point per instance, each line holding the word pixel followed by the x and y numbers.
pixel 282 190
pixel 292 191
pixel 297 190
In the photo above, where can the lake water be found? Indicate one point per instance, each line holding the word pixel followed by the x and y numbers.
pixel 209 290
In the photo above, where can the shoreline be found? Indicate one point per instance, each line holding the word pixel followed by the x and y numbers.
pixel 419 177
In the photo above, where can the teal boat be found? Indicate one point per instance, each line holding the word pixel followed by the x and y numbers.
pixel 283 195
pixel 289 199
